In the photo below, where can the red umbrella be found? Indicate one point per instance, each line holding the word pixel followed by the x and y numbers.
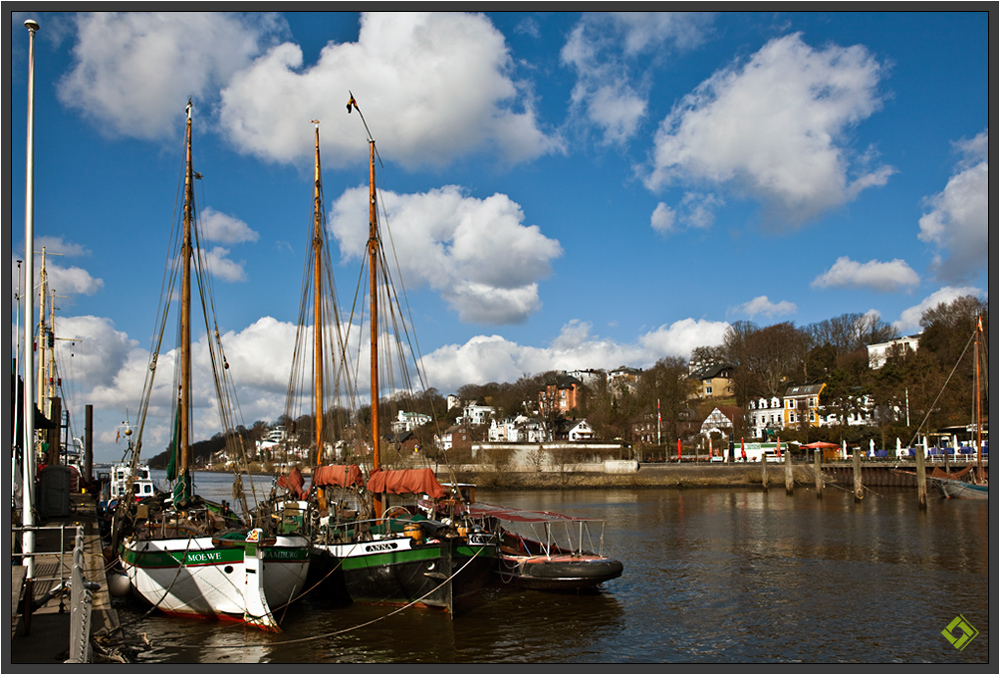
pixel 820 444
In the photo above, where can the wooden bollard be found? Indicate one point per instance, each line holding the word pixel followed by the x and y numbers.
pixel 818 470
pixel 763 471
pixel 789 481
pixel 858 490
pixel 921 479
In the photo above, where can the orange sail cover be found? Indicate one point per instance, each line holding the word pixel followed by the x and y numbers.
pixel 407 481
pixel 337 475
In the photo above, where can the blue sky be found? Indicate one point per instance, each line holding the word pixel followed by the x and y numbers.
pixel 565 190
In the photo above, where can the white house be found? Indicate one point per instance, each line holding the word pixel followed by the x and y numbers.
pixel 765 413
pixel 477 414
pixel 879 352
pixel 407 421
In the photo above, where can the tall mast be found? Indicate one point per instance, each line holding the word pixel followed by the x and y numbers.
pixel 373 285
pixel 979 406
pixel 42 339
pixel 184 403
pixel 318 302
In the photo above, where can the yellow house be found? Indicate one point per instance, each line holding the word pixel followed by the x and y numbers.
pixel 801 405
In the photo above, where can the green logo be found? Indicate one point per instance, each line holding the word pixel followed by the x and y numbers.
pixel 960 632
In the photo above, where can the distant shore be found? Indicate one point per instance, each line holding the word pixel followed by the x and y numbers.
pixel 673 475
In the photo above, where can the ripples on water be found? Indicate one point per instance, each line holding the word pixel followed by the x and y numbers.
pixel 711 576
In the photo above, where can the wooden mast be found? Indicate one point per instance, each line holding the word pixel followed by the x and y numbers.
pixel 373 287
pixel 979 408
pixel 184 403
pixel 318 303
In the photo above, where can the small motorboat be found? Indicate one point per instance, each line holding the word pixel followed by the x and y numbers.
pixel 548 551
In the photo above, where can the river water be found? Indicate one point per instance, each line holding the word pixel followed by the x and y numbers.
pixel 711 576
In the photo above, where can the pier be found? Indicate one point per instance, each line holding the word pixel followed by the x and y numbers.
pixel 57 616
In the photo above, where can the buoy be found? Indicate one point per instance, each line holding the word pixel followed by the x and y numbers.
pixel 414 532
pixel 118 584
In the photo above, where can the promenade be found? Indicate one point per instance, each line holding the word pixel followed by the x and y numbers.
pixel 44 635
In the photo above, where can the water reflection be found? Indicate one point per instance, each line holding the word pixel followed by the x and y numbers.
pixel 710 576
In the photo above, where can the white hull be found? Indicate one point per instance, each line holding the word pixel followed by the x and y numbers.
pixel 213 581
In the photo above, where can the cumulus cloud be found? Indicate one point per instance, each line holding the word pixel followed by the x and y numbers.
pixel 762 306
pixel 879 276
pixel 133 71
pixel 602 50
pixel 957 221
pixel 435 86
pixel 224 228
pixel 222 267
pixel 493 358
pixel 476 253
pixel 909 319
pixel 695 210
pixel 773 128
pixel 66 281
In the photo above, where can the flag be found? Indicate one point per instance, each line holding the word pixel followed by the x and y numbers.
pixel 351 102
pixel 118 435
pixel 979 321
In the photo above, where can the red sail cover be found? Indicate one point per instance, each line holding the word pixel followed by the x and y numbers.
pixel 293 482
pixel 337 475
pixel 407 481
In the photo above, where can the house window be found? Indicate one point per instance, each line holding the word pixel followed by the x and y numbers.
pixel 791 417
pixel 708 390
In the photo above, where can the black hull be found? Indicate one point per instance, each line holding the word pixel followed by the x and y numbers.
pixel 572 576
pixel 448 576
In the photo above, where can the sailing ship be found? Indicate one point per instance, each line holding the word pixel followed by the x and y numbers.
pixel 967 484
pixel 186 555
pixel 363 551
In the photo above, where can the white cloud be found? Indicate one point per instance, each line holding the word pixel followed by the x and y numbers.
pixel 493 358
pixel 222 267
pixel 663 219
pixel 475 252
pixel 223 228
pixel 602 49
pixel 957 222
pixel 432 86
pixel 909 319
pixel 772 128
pixel 134 71
pixel 762 306
pixel 880 276
pixel 695 210
pixel 59 246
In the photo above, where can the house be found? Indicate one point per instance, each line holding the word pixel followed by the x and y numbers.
pixel 520 429
pixel 721 420
pixel 455 437
pixel 801 406
pixel 475 414
pixel 407 421
pixel 766 416
pixel 561 396
pixel 879 353
pixel 714 381
pixel 623 378
pixel 574 431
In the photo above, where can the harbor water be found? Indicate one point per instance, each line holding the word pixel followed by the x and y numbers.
pixel 711 576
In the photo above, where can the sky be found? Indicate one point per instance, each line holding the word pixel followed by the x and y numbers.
pixel 564 190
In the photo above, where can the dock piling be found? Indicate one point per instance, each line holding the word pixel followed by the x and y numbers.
pixel 789 481
pixel 858 489
pixel 921 478
pixel 818 470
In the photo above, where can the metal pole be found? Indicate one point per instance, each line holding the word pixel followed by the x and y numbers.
pixel 27 517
